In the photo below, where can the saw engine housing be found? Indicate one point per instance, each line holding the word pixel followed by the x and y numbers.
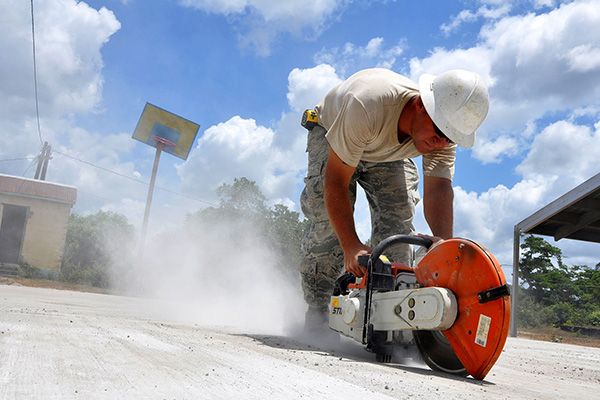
pixel 455 301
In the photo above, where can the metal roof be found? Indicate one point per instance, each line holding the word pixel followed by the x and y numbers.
pixel 37 189
pixel 574 215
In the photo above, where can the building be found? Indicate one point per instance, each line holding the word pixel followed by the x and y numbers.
pixel 33 225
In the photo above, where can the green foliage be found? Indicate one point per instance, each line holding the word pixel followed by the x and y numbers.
pixel 96 245
pixel 243 196
pixel 285 232
pixel 594 318
pixel 559 314
pixel 547 281
pixel 28 271
pixel 529 311
pixel 552 294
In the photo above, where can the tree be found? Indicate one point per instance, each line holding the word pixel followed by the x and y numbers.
pixel 243 214
pixel 548 282
pixel 285 234
pixel 243 195
pixel 551 292
pixel 587 282
pixel 94 246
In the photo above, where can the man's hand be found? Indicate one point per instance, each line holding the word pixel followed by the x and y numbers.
pixel 434 239
pixel 351 260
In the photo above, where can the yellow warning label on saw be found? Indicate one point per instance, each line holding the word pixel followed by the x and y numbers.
pixel 483 329
pixel 335 303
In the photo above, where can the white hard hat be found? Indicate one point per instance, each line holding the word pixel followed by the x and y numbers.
pixel 457 102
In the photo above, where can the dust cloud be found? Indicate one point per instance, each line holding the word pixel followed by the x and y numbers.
pixel 224 276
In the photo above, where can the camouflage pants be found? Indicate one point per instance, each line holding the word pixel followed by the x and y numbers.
pixel 392 193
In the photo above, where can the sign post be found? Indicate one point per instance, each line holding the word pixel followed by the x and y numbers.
pixel 166 132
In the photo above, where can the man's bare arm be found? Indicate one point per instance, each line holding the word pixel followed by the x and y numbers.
pixel 438 197
pixel 339 209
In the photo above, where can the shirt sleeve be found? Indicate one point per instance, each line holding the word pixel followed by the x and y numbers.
pixel 350 131
pixel 440 163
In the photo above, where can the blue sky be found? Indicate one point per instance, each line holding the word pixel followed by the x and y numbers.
pixel 245 69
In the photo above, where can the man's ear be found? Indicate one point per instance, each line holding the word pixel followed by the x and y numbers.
pixel 419 104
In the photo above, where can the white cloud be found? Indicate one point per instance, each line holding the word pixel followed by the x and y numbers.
pixel 541 69
pixel 562 156
pixel 235 148
pixel 530 56
pixel 466 16
pixel 240 148
pixel 536 3
pixel 261 21
pixel 307 87
pixel 226 7
pixel 461 18
pixel 490 151
pixel 534 65
pixel 273 157
pixel 489 217
pixel 105 152
pixel 563 150
pixel 69 36
pixel 543 3
pixel 475 59
pixel 351 58
pixel 584 58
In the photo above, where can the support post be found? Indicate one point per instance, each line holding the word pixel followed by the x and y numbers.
pixel 159 149
pixel 515 281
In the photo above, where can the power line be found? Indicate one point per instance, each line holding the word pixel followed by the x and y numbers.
pixel 134 179
pixel 37 107
pixel 31 164
pixel 99 167
pixel 18 159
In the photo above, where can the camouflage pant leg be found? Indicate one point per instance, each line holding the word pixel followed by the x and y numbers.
pixel 323 258
pixel 392 193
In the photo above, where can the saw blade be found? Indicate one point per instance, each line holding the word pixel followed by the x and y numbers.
pixel 437 353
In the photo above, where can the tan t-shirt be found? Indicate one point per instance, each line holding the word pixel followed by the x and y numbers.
pixel 361 118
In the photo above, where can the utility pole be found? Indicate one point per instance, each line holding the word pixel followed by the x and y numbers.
pixel 43 158
pixel 47 158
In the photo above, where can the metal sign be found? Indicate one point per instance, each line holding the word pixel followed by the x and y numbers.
pixel 157 126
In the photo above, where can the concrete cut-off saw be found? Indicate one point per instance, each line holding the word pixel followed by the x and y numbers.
pixel 455 302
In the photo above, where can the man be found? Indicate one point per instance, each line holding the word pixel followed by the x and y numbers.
pixel 369 129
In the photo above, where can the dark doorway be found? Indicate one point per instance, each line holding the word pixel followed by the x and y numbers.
pixel 12 233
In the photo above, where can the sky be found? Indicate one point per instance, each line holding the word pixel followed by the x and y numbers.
pixel 246 69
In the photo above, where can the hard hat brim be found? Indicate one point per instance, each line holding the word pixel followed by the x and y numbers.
pixel 428 98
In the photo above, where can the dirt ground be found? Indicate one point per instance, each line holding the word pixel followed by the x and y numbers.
pixel 545 334
pixel 70 344
pixel 557 335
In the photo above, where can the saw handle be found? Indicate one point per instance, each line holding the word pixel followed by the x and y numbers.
pixel 378 251
pixel 397 239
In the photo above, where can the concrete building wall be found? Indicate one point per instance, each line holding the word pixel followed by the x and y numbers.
pixel 45 230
